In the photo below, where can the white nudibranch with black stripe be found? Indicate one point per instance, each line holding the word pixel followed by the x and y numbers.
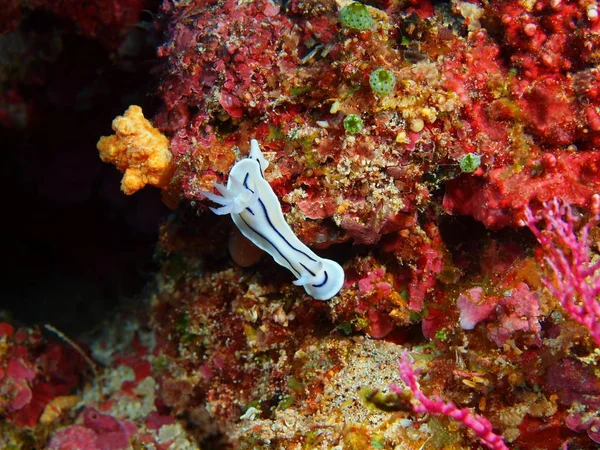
pixel 256 211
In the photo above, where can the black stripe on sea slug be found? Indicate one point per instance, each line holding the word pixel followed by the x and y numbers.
pixel 281 235
pixel 323 282
pixel 246 182
pixel 272 245
pixel 246 186
pixel 308 270
pixel 260 169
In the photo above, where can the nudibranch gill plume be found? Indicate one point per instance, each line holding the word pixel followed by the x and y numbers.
pixel 256 211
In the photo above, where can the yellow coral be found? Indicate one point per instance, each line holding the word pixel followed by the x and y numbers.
pixel 138 150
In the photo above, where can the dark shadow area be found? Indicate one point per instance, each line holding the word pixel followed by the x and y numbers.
pixel 73 244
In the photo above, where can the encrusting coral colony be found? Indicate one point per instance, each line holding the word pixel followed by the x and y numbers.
pixel 444 154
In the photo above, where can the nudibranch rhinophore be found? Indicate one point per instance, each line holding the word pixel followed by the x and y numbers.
pixel 256 211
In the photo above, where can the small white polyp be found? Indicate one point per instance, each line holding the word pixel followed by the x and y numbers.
pixel 256 211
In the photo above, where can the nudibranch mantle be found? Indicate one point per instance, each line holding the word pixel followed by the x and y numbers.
pixel 256 211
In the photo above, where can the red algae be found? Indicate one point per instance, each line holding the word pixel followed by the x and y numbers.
pixel 36 374
pixel 228 353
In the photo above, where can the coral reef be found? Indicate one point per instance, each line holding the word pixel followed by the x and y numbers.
pixel 412 143
pixel 465 109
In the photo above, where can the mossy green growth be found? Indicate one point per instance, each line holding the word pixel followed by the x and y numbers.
pixel 378 442
pixel 356 16
pixel 442 334
pixel 353 124
pixel 182 324
pixel 287 402
pixel 470 162
pixel 382 81
pixel 295 384
pixel 345 327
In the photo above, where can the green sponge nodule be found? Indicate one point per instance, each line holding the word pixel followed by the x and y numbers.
pixel 356 16
pixel 382 81
pixel 353 124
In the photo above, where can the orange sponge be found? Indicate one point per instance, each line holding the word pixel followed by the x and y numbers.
pixel 138 150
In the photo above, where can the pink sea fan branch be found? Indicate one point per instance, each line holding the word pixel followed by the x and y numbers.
pixel 575 280
pixel 480 425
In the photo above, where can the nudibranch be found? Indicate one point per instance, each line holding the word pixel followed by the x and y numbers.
pixel 256 211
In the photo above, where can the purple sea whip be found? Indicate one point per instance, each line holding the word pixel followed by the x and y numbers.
pixel 480 425
pixel 575 279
